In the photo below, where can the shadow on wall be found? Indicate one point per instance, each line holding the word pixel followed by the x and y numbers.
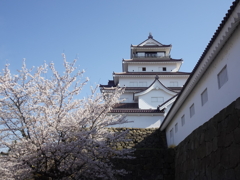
pixel 154 161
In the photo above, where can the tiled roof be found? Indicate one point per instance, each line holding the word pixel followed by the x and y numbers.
pixel 175 88
pixel 166 101
pixel 110 84
pixel 149 46
pixel 152 73
pixel 132 108
pixel 138 88
pixel 136 111
pixel 153 45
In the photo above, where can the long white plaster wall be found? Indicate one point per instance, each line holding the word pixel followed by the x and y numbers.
pixel 146 121
pixel 145 100
pixel 151 67
pixel 217 98
pixel 125 81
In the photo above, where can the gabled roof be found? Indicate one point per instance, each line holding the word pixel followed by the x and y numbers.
pixel 223 32
pixel 155 85
pixel 152 42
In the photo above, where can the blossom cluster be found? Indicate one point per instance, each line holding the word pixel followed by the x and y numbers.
pixel 46 131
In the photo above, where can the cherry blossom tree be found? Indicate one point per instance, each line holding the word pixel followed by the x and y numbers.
pixel 46 131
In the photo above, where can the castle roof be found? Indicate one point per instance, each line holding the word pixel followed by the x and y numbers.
pixel 136 111
pixel 137 89
pixel 151 73
pixel 150 42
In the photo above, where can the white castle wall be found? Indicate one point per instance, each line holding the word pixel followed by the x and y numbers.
pixel 151 67
pixel 128 98
pixel 146 121
pixel 166 81
pixel 217 98
pixel 146 102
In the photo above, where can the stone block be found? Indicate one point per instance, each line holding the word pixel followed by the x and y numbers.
pixel 229 174
pixel 209 148
pixel 202 176
pixel 210 132
pixel 215 158
pixel 225 157
pixel 202 137
pixel 208 173
pixel 215 144
pixel 232 122
pixel 218 172
pixel 236 135
pixel 221 128
pixel 202 151
pixel 234 155
pixel 237 170
pixel 224 140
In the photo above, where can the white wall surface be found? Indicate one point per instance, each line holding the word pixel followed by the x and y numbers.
pixel 145 101
pixel 151 67
pixel 140 121
pixel 217 98
pixel 128 98
pixel 124 81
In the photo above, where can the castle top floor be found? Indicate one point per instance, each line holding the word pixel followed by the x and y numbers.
pixel 150 48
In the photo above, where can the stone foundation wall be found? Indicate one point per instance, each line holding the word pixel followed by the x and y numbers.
pixel 213 150
pixel 142 138
pixel 153 160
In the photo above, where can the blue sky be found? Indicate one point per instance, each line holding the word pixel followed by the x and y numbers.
pixel 99 32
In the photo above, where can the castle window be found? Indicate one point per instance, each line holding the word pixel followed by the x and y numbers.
pixel 183 120
pixel 171 137
pixel 142 69
pixel 176 127
pixel 192 110
pixel 164 69
pixel 140 54
pixel 150 54
pixel 204 97
pixel 222 77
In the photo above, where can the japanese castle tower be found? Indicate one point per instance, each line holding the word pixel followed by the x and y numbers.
pixel 152 80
